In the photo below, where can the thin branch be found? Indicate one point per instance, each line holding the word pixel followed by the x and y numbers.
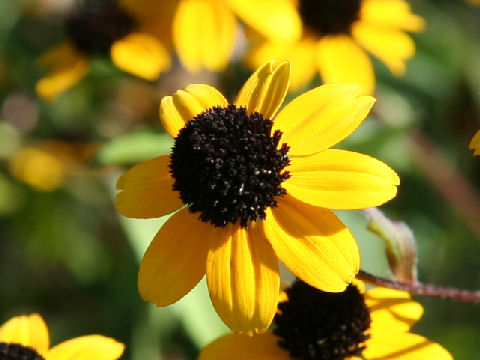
pixel 422 289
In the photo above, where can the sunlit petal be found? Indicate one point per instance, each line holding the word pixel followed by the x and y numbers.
pixel 26 330
pixel 339 179
pixel 207 40
pixel 140 54
pixel 184 105
pixel 391 14
pixel 147 190
pixel 322 117
pixel 175 260
pixel 87 348
pixel 313 243
pixel 243 279
pixel 265 89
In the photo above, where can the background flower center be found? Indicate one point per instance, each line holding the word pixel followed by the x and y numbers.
pixel 317 325
pixel 327 17
pixel 17 352
pixel 226 165
pixel 96 24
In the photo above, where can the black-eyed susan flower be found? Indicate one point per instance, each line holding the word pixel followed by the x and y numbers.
pixel 336 34
pixel 315 325
pixel 26 337
pixel 250 186
pixel 207 41
pixel 125 30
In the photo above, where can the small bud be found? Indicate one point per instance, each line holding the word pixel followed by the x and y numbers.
pixel 400 244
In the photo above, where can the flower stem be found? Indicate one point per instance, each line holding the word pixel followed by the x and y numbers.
pixel 422 289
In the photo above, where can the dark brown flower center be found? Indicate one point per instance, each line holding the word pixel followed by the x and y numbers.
pixel 95 25
pixel 228 165
pixel 329 17
pixel 316 325
pixel 18 352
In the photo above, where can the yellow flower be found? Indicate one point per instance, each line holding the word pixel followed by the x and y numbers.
pixel 26 337
pixel 335 34
pixel 125 30
pixel 262 189
pixel 207 41
pixel 475 144
pixel 312 324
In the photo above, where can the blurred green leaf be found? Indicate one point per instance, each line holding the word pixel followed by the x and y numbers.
pixel 134 148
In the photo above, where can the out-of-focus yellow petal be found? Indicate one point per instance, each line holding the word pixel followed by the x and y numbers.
pixel 204 34
pixel 393 14
pixel 243 347
pixel 300 55
pixel 393 47
pixel 313 243
pixel 38 168
pixel 265 89
pixel 175 260
pixel 392 309
pixel 141 55
pixel 147 190
pixel 340 179
pixel 274 19
pixel 184 105
pixel 65 68
pixel 393 345
pixel 88 347
pixel 322 117
pixel 26 330
pixel 243 278
pixel 340 59
pixel 475 144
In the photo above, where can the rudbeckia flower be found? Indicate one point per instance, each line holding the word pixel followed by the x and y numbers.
pixel 250 186
pixel 125 30
pixel 26 338
pixel 207 41
pixel 336 34
pixel 312 324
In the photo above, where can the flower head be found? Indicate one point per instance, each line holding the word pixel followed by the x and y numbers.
pixel 253 186
pixel 115 28
pixel 315 325
pixel 335 34
pixel 26 338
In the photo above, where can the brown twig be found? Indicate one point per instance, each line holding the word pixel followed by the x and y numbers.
pixel 422 289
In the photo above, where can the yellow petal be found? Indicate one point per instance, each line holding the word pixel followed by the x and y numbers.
pixel 475 144
pixel 141 55
pixel 340 179
pixel 175 260
pixel 207 40
pixel 393 47
pixel 26 330
pixel 65 68
pixel 300 55
pixel 391 14
pixel 265 89
pixel 394 345
pixel 313 243
pixel 274 19
pixel 391 308
pixel 242 347
pixel 184 105
pixel 243 279
pixel 88 347
pixel 339 59
pixel 147 190
pixel 322 117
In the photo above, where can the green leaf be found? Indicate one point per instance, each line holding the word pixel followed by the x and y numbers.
pixel 134 148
